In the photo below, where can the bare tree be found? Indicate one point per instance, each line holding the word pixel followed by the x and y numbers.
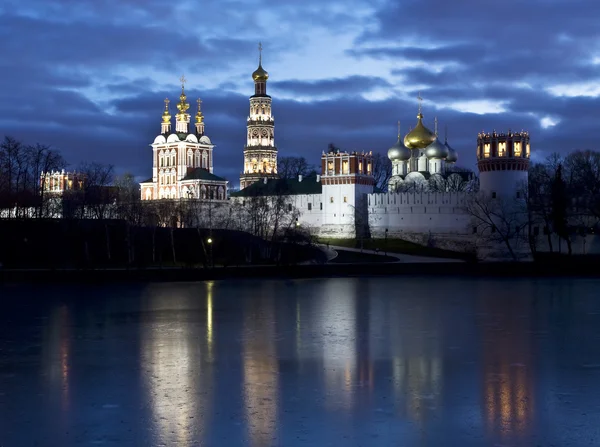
pixel 499 220
pixel 21 170
pixel 99 196
pixel 382 171
pixel 43 160
pixel 292 167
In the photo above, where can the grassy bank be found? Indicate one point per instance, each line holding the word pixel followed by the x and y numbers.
pixel 399 246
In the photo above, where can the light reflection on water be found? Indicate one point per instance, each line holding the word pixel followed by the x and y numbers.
pixel 176 363
pixel 341 361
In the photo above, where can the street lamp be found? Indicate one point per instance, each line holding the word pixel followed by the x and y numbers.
pixel 210 250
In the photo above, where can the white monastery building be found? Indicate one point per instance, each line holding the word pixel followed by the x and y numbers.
pixel 426 194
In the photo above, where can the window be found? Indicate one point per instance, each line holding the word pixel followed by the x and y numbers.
pixel 331 200
pixel 494 195
pixel 518 194
pixel 474 230
pixel 309 206
pixel 345 199
pixel 321 206
pixel 502 149
pixel 289 207
pixel 517 150
pixel 493 229
pixel 486 150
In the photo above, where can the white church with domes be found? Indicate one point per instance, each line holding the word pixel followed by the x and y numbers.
pixel 182 161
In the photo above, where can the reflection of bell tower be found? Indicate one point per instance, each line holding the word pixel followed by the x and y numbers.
pixel 260 153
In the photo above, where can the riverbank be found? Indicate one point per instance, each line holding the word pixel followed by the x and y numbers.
pixel 567 268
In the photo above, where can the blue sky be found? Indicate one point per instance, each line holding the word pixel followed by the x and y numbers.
pixel 89 77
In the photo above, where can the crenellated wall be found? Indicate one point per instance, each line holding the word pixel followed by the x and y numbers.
pixel 424 213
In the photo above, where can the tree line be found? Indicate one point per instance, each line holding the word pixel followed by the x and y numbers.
pixel 560 202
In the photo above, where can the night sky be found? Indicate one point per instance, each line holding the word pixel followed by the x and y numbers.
pixel 89 77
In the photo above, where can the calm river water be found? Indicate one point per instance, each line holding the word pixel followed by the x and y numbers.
pixel 334 362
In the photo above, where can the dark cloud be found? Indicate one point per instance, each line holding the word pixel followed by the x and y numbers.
pixel 353 85
pixel 89 77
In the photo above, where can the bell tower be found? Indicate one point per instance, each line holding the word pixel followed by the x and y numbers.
pixel 260 152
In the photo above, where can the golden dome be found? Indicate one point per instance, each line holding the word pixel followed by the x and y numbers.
pixel 166 116
pixel 260 74
pixel 420 137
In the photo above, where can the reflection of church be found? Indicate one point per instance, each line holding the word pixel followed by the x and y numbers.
pixel 182 165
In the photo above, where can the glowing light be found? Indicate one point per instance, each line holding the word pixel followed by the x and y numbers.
pixel 209 241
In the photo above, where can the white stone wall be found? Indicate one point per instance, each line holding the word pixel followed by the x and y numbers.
pixel 503 183
pixel 424 213
pixel 339 204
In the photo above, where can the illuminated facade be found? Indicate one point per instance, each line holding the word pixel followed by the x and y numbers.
pixel 503 162
pixel 60 181
pixel 260 152
pixel 182 165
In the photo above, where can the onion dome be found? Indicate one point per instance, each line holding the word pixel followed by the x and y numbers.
pixel 452 154
pixel 436 150
pixel 420 137
pixel 166 116
pixel 260 74
pixel 199 115
pixel 399 152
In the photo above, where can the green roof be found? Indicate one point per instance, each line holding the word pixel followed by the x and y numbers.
pixel 148 181
pixel 202 174
pixel 281 186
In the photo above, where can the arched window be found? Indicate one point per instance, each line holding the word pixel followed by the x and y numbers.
pixel 161 193
pixel 173 193
pixel 197 156
pixel 148 194
pixel 204 160
pixel 190 159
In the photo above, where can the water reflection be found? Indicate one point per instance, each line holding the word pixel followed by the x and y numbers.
pixel 337 336
pixel 176 356
pixel 260 366
pixel 417 366
pixel 58 356
pixel 385 361
pixel 508 369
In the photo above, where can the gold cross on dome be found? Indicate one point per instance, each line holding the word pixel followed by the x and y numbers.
pixel 398 128
pixel 167 102
pixel 420 101
pixel 199 101
pixel 259 53
pixel 183 80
